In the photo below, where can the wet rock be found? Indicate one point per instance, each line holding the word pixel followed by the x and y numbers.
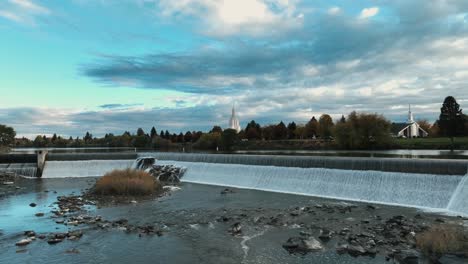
pixel 32 204
pixel 342 249
pixel 325 234
pixel 409 256
pixel 53 241
pixel 29 233
pixel 23 250
pixel 72 251
pixel 23 242
pixel 356 250
pixel 300 245
pixel 226 191
pixel 39 214
pixel 235 229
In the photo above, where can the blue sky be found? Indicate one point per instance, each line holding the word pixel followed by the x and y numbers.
pixel 73 66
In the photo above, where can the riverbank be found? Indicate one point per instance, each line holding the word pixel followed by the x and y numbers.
pixel 205 224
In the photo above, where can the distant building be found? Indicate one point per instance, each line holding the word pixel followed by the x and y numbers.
pixel 234 121
pixel 410 129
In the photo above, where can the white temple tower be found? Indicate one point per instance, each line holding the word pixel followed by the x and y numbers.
pixel 234 121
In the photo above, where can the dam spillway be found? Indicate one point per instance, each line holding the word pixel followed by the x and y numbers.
pixel 424 166
pixel 433 184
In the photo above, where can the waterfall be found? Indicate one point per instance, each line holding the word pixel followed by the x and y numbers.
pixel 424 166
pixel 459 201
pixel 23 169
pixel 83 168
pixel 405 189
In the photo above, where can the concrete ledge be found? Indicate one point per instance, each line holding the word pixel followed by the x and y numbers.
pixel 91 156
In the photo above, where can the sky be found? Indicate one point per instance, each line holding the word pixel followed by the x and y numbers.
pixel 103 66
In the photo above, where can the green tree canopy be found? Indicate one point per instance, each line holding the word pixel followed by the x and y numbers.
pixel 7 135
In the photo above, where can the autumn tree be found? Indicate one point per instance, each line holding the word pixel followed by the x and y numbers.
pixel 325 126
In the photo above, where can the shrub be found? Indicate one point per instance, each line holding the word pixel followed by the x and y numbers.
pixel 127 182
pixel 442 239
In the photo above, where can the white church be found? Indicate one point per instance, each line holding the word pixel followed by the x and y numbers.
pixel 234 121
pixel 410 129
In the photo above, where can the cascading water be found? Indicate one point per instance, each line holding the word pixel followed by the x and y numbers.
pixel 459 201
pixel 23 169
pixel 406 189
pixel 425 166
pixel 83 168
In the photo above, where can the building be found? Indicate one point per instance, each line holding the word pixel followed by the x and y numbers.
pixel 410 129
pixel 234 121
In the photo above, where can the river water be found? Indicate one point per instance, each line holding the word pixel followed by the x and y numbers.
pixel 191 234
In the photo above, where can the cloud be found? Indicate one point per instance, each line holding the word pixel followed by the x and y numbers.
pixel 369 12
pixel 334 10
pixel 23 11
pixel 229 17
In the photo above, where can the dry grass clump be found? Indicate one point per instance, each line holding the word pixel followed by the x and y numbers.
pixel 442 239
pixel 127 182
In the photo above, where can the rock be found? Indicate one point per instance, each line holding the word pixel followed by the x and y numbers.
pixel 301 245
pixel 52 241
pixel 32 204
pixel 8 183
pixel 325 234
pixel 226 191
pixel 23 242
pixel 409 256
pixel 39 214
pixel 29 233
pixel 235 229
pixel 72 251
pixel 341 249
pixel 356 250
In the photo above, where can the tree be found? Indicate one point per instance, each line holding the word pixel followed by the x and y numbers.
pixel 292 130
pixel 167 135
pixel 451 121
pixel 280 131
pixel 39 142
pixel 325 126
pixel 253 130
pixel 140 132
pixel 161 135
pixel 188 136
pixel 54 137
pixel 311 128
pixel 153 132
pixel 216 129
pixel 342 119
pixel 88 137
pixel 363 131
pixel 425 125
pixel 7 135
pixel 228 139
pixel 208 141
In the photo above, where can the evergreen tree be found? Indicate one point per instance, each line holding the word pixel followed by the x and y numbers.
pixel 343 119
pixel 161 135
pixel 280 131
pixel 451 122
pixel 153 132
pixel 167 135
pixel 54 137
pixel 216 129
pixel 188 136
pixel 292 130
pixel 140 132
pixel 311 128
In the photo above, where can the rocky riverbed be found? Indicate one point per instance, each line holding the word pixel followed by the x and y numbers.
pixel 211 225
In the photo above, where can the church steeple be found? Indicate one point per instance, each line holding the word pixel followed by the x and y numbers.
pixel 410 115
pixel 234 121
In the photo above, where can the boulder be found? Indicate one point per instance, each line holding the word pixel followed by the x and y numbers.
pixel 356 250
pixel 23 242
pixel 300 245
pixel 409 256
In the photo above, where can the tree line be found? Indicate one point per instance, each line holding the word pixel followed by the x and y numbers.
pixel 356 131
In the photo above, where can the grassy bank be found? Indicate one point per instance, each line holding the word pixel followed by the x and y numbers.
pixel 431 143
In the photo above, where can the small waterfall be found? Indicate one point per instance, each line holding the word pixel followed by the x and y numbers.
pixel 406 189
pixel 22 169
pixel 143 163
pixel 425 166
pixel 83 168
pixel 459 201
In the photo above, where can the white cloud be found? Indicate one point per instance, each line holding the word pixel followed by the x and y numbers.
pixel 23 11
pixel 30 6
pixel 334 10
pixel 369 12
pixel 228 17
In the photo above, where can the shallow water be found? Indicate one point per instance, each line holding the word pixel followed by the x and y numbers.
pixel 191 234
